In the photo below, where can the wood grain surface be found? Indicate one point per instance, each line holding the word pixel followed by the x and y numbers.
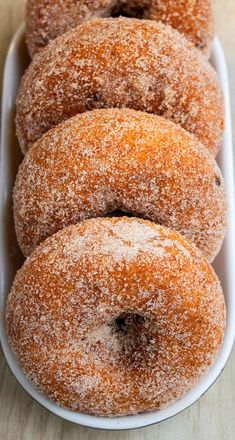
pixel 213 417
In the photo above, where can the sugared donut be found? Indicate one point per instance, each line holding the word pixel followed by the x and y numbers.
pixel 120 159
pixel 115 316
pixel 47 19
pixel 123 62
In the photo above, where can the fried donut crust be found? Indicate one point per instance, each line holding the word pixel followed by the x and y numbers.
pixel 115 316
pixel 120 159
pixel 104 63
pixel 48 19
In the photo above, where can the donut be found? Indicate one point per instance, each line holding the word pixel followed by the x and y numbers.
pixel 104 63
pixel 115 316
pixel 120 159
pixel 47 19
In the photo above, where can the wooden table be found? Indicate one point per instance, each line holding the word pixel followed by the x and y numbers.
pixel 212 418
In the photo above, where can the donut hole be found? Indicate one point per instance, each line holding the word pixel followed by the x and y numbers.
pixel 129 11
pixel 134 335
pixel 94 100
pixel 115 209
pixel 119 213
pixel 128 322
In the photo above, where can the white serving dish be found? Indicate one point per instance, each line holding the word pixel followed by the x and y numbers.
pixel 10 257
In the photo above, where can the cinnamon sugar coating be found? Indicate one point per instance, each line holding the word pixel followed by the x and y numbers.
pixel 115 316
pixel 139 64
pixel 119 159
pixel 47 19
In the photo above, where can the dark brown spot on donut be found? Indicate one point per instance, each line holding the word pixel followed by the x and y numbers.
pixel 218 180
pixel 200 45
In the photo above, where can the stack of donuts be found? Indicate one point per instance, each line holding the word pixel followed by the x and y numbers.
pixel 119 204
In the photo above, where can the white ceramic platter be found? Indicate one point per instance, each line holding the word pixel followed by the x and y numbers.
pixel 10 258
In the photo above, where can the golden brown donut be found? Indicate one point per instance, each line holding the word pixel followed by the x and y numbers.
pixel 47 19
pixel 122 62
pixel 115 316
pixel 120 159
